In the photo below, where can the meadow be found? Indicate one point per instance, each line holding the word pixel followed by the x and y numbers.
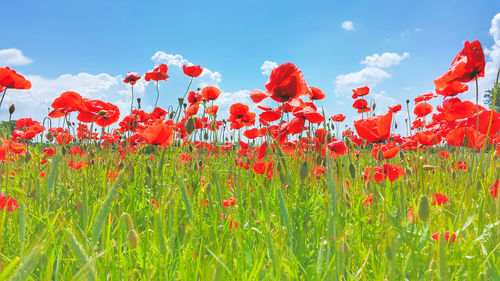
pixel 284 194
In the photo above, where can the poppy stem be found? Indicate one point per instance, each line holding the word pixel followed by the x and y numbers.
pixel 409 118
pixel 477 115
pixel 3 96
pixel 157 95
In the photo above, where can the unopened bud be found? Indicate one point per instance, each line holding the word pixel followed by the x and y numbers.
pixel 133 238
pixel 12 108
pixel 303 171
pixel 423 209
pixel 190 126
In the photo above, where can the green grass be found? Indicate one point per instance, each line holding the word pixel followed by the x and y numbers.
pixel 288 228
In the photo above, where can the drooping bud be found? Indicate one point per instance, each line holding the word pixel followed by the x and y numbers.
pixel 133 238
pixel 303 171
pixel 423 208
pixel 352 170
pixel 12 108
pixel 190 125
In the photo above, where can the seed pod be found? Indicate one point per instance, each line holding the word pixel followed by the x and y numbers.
pixel 50 136
pixel 395 125
pixel 380 155
pixel 181 101
pixel 27 158
pixel 190 125
pixel 423 208
pixel 352 170
pixel 148 170
pixel 208 189
pixel 205 136
pixel 278 167
pixel 133 238
pixel 408 171
pixel 303 171
pixel 373 106
pixel 428 167
pixel 319 159
pixel 171 115
pixel 12 108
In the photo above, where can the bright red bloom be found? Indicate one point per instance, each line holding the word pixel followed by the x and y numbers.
pixel 454 108
pixel 210 93
pixel 461 165
pixel 467 65
pixel 435 236
pixel 64 138
pixel 374 129
pixel 6 200
pixel 337 146
pixel 338 117
pixel 389 150
pixel 240 116
pixel 316 94
pixel 386 171
pixel 192 71
pixel 66 103
pixel 229 202
pixel 424 97
pixel 132 78
pixel 159 134
pixel 452 89
pixel 494 189
pixel 212 109
pixel 361 105
pixel 102 113
pixel 368 200
pixel 49 151
pixel 77 165
pixel 259 167
pixel 286 83
pixel 359 92
pixel 444 154
pixel 395 108
pixel 422 109
pixel 12 80
pixel 440 199
pixel 158 74
pixel 258 95
pixel 194 97
pixel 428 138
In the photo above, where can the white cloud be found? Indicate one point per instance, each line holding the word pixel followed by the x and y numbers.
pixel 207 77
pixel 492 59
pixel 385 60
pixel 348 25
pixel 367 76
pixel 268 66
pixel 10 57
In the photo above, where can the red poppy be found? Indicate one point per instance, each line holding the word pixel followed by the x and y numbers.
pixel 316 93
pixel 452 89
pixel 494 189
pixel 240 116
pixel 194 97
pixel 424 97
pixel 210 93
pixel 158 74
pixel 229 202
pixel 64 138
pixel 444 154
pixel 389 150
pixel 132 78
pixel 440 199
pixel 66 103
pixel 102 113
pixel 368 200
pixel 12 80
pixel 77 165
pixel 467 65
pixel 286 83
pixel 422 109
pixel 454 108
pixel 395 108
pixel 192 71
pixel 337 146
pixel 212 109
pixel 338 117
pixel 361 105
pixel 159 134
pixel 6 200
pixel 374 129
pixel 359 92
pixel 428 138
pixel 435 236
pixel 49 151
pixel 257 95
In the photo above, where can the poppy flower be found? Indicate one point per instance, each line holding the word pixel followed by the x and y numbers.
pixel 428 138
pixel 259 167
pixel 316 93
pixel 439 199
pixel 132 78
pixel 49 151
pixel 368 200
pixel 66 103
pixel 229 202
pixel 158 74
pixel 212 109
pixel 452 89
pixel 210 93
pixel 192 71
pixel 422 109
pixel 257 95
pixel 359 92
pixel 338 117
pixel 240 116
pixel 444 154
pixel 435 236
pixel 6 200
pixel 159 134
pixel 467 65
pixel 286 83
pixel 337 146
pixel 102 113
pixel 374 129
pixel 389 150
pixel 361 105
pixel 386 171
pixel 494 189
pixel 424 97
pixel 454 108
pixel 12 80
pixel 64 138
pixel 77 165
pixel 194 97
pixel 395 108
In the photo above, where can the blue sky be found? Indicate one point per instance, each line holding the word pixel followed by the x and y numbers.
pixel 88 46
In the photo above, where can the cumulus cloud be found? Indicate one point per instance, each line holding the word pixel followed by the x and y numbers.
pixel 268 66
pixel 385 60
pixel 207 77
pixel 370 76
pixel 347 25
pixel 492 58
pixel 10 57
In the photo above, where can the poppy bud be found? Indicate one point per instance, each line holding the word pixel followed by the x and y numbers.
pixel 401 154
pixel 133 238
pixel 139 103
pixel 49 136
pixel 171 115
pixel 148 170
pixel 303 171
pixel 328 138
pixel 352 170
pixel 205 136
pixel 208 189
pixel 395 125
pixel 319 159
pixel 102 113
pixel 428 167
pixel 407 101
pixel 278 167
pixel 190 125
pixel 408 171
pixel 380 155
pixel 12 108
pixel 373 106
pixel 68 123
pixel 181 101
pixel 28 156
pixel 423 208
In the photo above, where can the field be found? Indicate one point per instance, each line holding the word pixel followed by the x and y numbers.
pixel 283 194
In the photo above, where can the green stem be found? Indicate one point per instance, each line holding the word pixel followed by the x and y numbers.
pixel 157 95
pixel 3 96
